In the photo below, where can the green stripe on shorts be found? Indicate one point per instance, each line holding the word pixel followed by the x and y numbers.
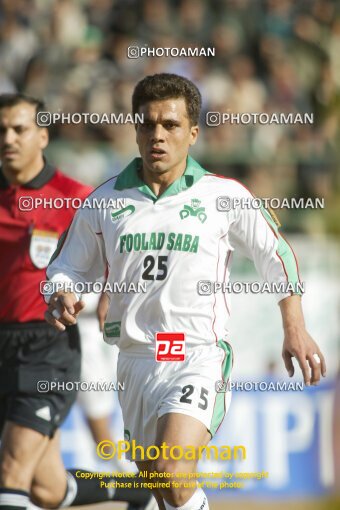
pixel 219 407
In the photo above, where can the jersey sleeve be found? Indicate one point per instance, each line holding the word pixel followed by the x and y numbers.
pixel 255 233
pixel 80 255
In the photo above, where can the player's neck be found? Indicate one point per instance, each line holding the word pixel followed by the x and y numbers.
pixel 22 176
pixel 158 183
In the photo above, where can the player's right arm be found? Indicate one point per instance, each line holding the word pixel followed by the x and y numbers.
pixel 80 257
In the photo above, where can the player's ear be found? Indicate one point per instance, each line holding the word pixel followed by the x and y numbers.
pixel 194 130
pixel 43 138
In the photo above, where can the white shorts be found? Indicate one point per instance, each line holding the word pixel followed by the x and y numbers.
pixel 152 389
pixel 99 364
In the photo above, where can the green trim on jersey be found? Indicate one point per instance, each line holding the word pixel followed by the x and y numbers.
pixel 129 178
pixel 286 254
pixel 219 407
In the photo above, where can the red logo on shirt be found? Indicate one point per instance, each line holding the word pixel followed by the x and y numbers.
pixel 170 346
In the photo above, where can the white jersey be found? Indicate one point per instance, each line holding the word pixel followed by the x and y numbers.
pixel 160 248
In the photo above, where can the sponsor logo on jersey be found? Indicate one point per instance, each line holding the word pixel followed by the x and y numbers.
pixel 194 210
pixel 170 346
pixel 122 213
pixel 157 240
pixel 112 329
pixel 43 245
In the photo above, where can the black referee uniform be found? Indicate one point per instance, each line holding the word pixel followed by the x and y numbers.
pixel 35 360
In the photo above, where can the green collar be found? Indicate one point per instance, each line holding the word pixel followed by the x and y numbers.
pixel 129 178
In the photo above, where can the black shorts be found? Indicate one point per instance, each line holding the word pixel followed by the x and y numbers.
pixel 35 363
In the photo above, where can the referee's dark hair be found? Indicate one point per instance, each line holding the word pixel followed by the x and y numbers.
pixel 9 100
pixel 161 86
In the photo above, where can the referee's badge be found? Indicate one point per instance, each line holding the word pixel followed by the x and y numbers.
pixel 43 245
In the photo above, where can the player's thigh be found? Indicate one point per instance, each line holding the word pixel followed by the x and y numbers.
pixel 50 480
pixel 182 430
pixel 179 430
pixel 20 452
pixel 147 466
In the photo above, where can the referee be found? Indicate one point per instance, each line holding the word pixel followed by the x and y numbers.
pixel 31 350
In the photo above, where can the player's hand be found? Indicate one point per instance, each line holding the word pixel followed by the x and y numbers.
pixel 102 308
pixel 299 344
pixel 63 310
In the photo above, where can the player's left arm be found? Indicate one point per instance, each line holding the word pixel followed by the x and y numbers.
pixel 256 233
pixel 299 344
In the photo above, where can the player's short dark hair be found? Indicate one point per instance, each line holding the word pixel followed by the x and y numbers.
pixel 163 86
pixel 9 100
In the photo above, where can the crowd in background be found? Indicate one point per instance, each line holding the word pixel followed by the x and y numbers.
pixel 270 56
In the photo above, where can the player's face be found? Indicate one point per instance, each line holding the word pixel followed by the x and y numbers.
pixel 165 136
pixel 21 140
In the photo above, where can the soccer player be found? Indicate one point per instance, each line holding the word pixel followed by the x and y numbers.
pixel 171 235
pixel 31 350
